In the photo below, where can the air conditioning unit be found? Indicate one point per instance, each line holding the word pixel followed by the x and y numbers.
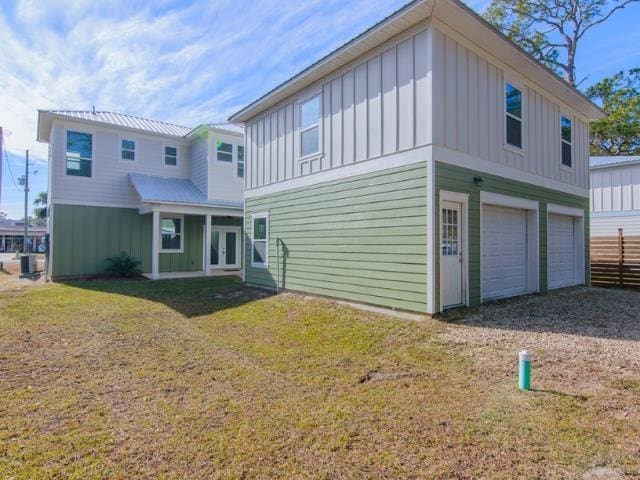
pixel 33 263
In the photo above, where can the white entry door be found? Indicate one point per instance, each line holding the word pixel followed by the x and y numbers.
pixel 561 251
pixel 451 260
pixel 504 252
pixel 225 247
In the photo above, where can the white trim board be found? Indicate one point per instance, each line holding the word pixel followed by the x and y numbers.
pixel 458 159
pixel 463 200
pixel 432 244
pixel 94 204
pixel 563 210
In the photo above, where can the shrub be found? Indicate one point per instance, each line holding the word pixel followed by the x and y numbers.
pixel 123 265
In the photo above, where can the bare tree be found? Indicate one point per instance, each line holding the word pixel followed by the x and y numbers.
pixel 550 30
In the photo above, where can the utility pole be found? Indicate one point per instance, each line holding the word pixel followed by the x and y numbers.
pixel 26 203
pixel 1 163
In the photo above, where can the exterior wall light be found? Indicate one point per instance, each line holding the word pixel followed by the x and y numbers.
pixel 477 181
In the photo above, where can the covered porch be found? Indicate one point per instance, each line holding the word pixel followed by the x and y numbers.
pixel 191 236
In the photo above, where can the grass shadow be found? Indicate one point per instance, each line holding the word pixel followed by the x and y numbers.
pixel 191 297
pixel 583 311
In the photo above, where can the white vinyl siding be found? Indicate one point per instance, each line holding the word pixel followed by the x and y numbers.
pixel 378 105
pixel 615 189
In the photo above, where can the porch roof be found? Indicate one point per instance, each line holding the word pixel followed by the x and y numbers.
pixel 179 191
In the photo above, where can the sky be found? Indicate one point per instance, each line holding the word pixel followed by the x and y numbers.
pixel 190 62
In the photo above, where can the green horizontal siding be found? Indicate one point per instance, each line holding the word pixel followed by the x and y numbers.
pixel 361 239
pixel 457 179
pixel 84 237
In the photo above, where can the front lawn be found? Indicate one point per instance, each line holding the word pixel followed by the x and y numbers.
pixel 203 378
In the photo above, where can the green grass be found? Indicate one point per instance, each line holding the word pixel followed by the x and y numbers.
pixel 203 378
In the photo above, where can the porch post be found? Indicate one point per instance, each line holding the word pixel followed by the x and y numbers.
pixel 155 246
pixel 207 245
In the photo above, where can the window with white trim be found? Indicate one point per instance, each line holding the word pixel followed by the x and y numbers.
pixel 566 141
pixel 260 240
pixel 171 233
pixel 240 169
pixel 79 154
pixel 310 127
pixel 171 156
pixel 127 149
pixel 224 152
pixel 513 116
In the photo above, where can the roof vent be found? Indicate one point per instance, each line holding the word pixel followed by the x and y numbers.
pixel 93 109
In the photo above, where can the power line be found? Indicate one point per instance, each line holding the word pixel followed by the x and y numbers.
pixel 6 156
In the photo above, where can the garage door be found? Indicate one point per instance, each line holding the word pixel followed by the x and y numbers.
pixel 504 252
pixel 561 251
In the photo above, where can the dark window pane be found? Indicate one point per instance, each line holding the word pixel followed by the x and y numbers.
pixel 215 242
pixel 224 147
pixel 566 154
pixel 78 167
pixel 565 128
pixel 170 242
pixel 225 157
pixel 172 151
pixel 240 153
pixel 514 100
pixel 259 228
pixel 259 251
pixel 241 170
pixel 128 155
pixel 514 132
pixel 128 145
pixel 80 143
pixel 169 160
pixel 230 248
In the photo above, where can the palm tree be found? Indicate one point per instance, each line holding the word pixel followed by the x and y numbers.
pixel 40 202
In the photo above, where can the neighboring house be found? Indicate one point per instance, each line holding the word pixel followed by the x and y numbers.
pixel 12 236
pixel 615 196
pixel 428 163
pixel 168 195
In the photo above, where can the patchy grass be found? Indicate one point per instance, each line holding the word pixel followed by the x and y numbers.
pixel 203 378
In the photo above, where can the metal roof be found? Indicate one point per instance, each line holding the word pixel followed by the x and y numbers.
pixel 230 127
pixel 174 190
pixel 613 161
pixel 124 120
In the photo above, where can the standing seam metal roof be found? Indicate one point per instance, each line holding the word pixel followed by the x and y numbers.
pixel 611 161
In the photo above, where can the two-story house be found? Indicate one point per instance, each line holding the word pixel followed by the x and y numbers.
pixel 428 163
pixel 615 196
pixel 168 195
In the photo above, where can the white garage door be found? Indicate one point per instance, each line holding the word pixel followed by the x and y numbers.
pixel 504 252
pixel 561 250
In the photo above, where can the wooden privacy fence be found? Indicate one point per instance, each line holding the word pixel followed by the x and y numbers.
pixel 615 261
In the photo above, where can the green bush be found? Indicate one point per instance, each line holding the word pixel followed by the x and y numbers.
pixel 123 265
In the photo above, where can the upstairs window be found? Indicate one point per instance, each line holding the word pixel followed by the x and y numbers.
pixel 171 156
pixel 171 234
pixel 260 240
pixel 310 127
pixel 240 161
pixel 224 152
pixel 513 111
pixel 79 154
pixel 128 150
pixel 566 142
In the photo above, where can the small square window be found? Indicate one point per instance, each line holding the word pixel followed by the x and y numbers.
pixel 224 152
pixel 171 156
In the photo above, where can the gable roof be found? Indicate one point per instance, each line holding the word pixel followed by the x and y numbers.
pixel 613 161
pixel 182 191
pixel 451 12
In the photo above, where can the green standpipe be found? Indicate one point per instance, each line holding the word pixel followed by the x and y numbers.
pixel 525 370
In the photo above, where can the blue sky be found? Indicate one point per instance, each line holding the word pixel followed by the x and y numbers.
pixel 190 62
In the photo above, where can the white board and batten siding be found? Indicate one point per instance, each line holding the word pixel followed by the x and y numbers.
pixel 376 106
pixel 468 117
pixel 615 200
